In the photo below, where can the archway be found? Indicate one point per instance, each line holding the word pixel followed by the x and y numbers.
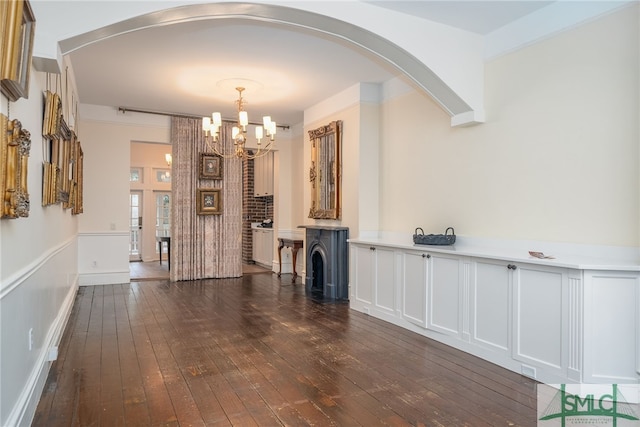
pixel 417 71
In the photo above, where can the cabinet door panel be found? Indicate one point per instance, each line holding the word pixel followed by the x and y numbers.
pixel 267 247
pixel 269 174
pixel 364 274
pixel 258 179
pixel 257 245
pixel 263 175
pixel 385 279
pixel 539 316
pixel 444 295
pixel 414 288
pixel 612 304
pixel 490 302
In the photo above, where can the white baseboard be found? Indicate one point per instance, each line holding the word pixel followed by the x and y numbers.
pixel 105 278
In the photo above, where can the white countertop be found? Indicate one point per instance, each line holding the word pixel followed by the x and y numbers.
pixel 565 255
pixel 256 226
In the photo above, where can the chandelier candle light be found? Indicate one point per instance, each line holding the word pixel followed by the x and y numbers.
pixel 211 127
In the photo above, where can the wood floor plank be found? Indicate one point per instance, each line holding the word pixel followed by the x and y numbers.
pixel 134 398
pixel 257 351
pixel 160 408
pixel 89 408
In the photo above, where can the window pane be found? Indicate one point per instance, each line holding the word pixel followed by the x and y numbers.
pixel 163 216
pixel 134 223
pixel 163 175
pixel 135 175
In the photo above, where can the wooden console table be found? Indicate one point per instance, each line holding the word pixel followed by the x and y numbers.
pixel 294 244
pixel 168 240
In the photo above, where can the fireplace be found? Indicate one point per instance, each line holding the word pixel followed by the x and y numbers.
pixel 327 263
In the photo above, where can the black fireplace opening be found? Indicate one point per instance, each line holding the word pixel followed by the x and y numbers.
pixel 317 281
pixel 327 269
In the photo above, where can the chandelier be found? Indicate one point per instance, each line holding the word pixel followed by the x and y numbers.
pixel 211 127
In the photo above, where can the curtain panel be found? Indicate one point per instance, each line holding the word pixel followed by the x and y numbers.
pixel 203 246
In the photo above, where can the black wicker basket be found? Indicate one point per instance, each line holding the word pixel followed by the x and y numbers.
pixel 434 239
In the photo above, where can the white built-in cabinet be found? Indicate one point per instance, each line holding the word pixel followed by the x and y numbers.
pixel 263 175
pixel 551 323
pixel 416 268
pixel 527 312
pixel 542 314
pixel 490 305
pixel 375 269
pixel 445 293
pixel 362 276
pixel 263 246
pixel 612 319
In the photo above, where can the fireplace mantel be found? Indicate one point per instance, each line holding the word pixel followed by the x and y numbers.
pixel 324 227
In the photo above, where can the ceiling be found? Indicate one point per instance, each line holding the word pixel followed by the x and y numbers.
pixel 477 16
pixel 194 67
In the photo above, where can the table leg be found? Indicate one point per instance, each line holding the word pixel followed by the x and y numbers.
pixel 169 254
pixel 160 250
pixel 280 245
pixel 294 255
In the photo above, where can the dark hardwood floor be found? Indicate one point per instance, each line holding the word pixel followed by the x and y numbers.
pixel 153 270
pixel 257 351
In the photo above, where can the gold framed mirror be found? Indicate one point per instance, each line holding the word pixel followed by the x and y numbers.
pixel 325 173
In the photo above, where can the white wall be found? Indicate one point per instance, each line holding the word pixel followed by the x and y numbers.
pixel 300 179
pixel 38 276
pixel 358 109
pixel 557 160
pixel 104 226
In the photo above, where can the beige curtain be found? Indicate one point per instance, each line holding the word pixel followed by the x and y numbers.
pixel 203 246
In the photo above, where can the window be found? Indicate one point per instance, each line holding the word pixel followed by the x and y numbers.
pixel 135 175
pixel 163 175
pixel 163 215
pixel 135 223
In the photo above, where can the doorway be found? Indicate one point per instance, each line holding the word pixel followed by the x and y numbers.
pixel 135 226
pixel 150 189
pixel 163 223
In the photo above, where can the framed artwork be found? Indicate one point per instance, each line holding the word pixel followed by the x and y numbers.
pixel 78 178
pixel 209 201
pixel 325 174
pixel 15 144
pixel 210 166
pixel 16 48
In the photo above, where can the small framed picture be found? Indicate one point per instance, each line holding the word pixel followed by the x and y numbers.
pixel 210 166
pixel 209 201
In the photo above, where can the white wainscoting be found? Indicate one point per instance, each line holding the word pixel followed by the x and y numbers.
pixel 36 303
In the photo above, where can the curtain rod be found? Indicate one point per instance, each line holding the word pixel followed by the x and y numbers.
pixel 188 116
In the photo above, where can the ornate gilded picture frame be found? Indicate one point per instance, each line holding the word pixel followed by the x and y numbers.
pixel 16 48
pixel 15 145
pixel 210 166
pixel 325 174
pixel 209 201
pixel 78 180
